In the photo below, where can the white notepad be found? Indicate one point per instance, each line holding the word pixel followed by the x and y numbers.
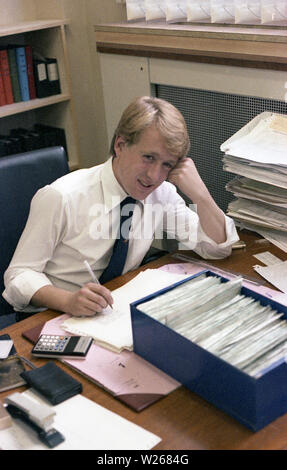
pixel 85 425
pixel 113 329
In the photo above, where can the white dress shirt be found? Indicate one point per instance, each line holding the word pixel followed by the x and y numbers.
pixel 72 219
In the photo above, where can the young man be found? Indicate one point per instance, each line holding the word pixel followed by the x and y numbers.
pixel 77 217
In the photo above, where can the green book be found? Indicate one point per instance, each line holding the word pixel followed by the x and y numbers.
pixel 14 74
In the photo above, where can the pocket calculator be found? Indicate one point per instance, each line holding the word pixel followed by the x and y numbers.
pixel 57 346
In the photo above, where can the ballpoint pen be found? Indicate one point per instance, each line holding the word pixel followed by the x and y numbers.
pixel 92 274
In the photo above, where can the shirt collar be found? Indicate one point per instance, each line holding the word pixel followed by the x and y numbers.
pixel 112 190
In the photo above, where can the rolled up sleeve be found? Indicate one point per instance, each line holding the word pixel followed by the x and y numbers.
pixel 186 228
pixel 209 249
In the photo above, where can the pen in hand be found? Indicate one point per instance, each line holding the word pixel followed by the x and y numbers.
pixel 92 274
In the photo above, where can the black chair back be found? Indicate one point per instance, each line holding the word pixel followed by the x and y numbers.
pixel 21 176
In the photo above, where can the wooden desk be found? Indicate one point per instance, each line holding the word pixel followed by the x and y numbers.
pixel 183 420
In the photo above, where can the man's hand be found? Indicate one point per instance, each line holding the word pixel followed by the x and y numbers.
pixel 90 299
pixel 186 177
pixel 87 301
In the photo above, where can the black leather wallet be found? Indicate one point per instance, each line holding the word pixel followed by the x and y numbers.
pixel 52 382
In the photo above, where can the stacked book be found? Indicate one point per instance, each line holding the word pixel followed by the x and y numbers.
pixel 257 154
pixel 24 75
pixel 24 140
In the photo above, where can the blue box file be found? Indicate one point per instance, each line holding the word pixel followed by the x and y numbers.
pixel 254 402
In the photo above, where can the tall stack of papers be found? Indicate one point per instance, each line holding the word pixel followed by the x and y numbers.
pixel 257 154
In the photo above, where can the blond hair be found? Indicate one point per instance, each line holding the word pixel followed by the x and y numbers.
pixel 146 111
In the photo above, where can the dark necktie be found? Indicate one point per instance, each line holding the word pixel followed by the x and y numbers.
pixel 120 249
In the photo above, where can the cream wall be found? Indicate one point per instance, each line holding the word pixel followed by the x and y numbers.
pixel 83 58
pixel 85 72
pixel 124 77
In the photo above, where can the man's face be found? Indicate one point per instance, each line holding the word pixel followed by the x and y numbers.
pixel 140 168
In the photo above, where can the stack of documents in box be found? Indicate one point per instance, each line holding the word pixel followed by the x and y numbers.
pixel 257 153
pixel 218 317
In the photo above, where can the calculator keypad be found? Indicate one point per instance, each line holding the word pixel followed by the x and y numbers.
pixel 51 343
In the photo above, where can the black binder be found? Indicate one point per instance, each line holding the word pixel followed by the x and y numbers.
pixel 52 136
pixel 41 78
pixel 46 74
pixel 53 76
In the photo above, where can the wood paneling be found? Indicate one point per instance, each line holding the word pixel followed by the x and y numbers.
pixel 244 47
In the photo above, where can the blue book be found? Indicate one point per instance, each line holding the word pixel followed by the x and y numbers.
pixel 22 73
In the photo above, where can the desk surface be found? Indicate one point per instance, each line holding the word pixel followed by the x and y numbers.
pixel 183 420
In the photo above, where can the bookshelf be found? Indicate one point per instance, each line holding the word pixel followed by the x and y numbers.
pixel 48 37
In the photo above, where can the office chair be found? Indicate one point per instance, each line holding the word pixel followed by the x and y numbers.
pixel 21 176
pixel 153 254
